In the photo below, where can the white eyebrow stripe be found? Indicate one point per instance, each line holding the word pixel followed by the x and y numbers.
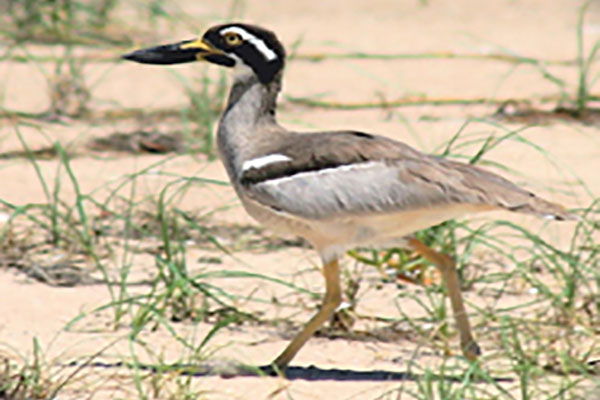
pixel 259 44
pixel 260 162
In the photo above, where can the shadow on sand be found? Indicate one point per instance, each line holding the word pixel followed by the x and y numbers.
pixel 313 373
pixel 228 369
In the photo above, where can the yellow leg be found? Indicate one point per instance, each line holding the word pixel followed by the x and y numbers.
pixel 332 300
pixel 446 265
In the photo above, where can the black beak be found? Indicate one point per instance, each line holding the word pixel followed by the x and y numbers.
pixel 178 53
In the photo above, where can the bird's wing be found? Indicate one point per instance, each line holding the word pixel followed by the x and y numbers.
pixel 334 174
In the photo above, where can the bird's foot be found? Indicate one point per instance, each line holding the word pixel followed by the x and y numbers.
pixel 471 350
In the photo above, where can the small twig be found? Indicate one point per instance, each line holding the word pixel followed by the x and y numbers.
pixel 507 58
pixel 164 113
pixel 414 101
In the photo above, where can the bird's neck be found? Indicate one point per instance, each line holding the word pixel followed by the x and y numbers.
pixel 248 117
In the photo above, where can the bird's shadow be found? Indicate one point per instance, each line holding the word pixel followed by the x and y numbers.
pixel 228 369
pixel 313 373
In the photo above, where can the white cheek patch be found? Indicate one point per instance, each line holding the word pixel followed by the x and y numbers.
pixel 241 68
pixel 260 162
pixel 259 44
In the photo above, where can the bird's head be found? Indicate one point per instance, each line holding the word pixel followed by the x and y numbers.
pixel 247 48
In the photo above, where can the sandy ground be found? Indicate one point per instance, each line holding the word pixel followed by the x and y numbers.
pixel 536 28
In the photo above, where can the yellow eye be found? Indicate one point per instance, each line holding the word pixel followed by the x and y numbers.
pixel 233 39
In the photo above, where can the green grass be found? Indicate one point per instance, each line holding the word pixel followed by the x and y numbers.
pixel 23 377
pixel 66 21
pixel 584 64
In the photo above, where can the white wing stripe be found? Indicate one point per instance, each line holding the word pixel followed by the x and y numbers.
pixel 260 162
pixel 259 44
pixel 324 171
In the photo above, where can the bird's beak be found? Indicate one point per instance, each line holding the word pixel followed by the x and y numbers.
pixel 182 52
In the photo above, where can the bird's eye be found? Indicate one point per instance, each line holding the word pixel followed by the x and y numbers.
pixel 233 39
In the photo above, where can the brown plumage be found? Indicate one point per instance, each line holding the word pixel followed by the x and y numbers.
pixel 437 181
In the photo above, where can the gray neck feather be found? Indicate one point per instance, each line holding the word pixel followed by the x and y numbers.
pixel 250 105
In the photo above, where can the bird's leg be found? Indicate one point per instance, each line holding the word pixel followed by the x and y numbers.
pixel 332 300
pixel 446 265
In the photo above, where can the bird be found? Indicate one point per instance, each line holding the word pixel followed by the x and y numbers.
pixel 338 189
